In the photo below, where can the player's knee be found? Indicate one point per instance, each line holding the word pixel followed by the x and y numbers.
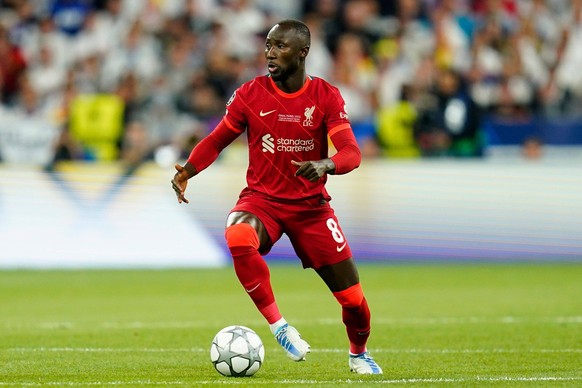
pixel 351 297
pixel 241 235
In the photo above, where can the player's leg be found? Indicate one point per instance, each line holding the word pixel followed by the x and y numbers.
pixel 343 280
pixel 246 236
pixel 319 241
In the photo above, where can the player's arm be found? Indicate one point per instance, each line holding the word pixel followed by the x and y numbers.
pixel 203 155
pixel 347 158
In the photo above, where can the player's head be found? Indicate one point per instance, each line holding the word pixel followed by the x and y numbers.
pixel 286 48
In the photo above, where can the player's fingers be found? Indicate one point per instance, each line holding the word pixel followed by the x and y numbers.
pixel 301 170
pixel 179 192
pixel 178 167
pixel 176 188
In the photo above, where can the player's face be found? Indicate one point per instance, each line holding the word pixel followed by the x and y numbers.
pixel 284 53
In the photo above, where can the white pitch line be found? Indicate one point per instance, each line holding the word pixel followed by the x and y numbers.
pixel 203 350
pixel 323 321
pixel 228 381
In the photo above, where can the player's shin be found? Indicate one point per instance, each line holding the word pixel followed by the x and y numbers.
pixel 251 269
pixel 356 317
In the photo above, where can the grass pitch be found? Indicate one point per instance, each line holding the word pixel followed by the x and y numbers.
pixel 433 325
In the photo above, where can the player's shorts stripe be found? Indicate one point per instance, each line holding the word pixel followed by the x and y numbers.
pixel 230 126
pixel 340 127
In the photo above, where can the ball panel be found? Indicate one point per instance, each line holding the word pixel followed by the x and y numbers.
pixel 214 354
pixel 254 339
pixel 239 364
pixel 253 368
pixel 223 368
pixel 239 345
pixel 223 338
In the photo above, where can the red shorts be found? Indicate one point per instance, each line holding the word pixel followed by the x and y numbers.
pixel 311 226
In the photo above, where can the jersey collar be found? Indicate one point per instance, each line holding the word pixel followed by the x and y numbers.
pixel 294 94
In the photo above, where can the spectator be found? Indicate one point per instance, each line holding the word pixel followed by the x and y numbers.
pixel 139 54
pixel 46 75
pixel 136 144
pixel 27 135
pixel 320 60
pixel 448 122
pixel 45 34
pixel 69 15
pixel 354 74
pixel 12 66
pixel 395 127
pixel 516 58
pixel 453 29
pixel 532 148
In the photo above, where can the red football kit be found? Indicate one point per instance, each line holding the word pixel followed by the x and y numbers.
pixel 283 127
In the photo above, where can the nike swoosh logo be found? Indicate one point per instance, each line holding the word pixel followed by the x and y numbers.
pixel 252 289
pixel 341 248
pixel 263 114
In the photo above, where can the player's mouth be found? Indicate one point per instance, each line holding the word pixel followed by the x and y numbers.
pixel 272 67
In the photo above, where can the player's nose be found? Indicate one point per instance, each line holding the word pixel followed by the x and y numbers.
pixel 270 53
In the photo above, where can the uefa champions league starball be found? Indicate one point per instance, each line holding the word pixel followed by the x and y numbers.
pixel 237 351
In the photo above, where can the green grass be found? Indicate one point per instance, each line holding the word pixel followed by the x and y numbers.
pixel 462 325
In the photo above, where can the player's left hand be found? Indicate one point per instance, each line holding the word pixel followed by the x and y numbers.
pixel 180 182
pixel 313 170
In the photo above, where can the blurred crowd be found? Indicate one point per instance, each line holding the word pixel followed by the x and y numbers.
pixel 136 80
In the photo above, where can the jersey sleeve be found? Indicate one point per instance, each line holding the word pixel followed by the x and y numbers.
pixel 233 123
pixel 207 151
pixel 235 114
pixel 336 114
pixel 348 156
pixel 339 130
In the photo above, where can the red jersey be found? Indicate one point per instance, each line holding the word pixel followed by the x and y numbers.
pixel 282 127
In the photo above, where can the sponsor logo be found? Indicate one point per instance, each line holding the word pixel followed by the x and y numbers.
pixel 308 122
pixel 341 247
pixel 295 145
pixel 268 143
pixel 263 114
pixel 286 145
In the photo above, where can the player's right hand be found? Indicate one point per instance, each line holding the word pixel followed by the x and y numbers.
pixel 180 182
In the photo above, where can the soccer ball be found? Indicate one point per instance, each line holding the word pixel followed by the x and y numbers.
pixel 237 351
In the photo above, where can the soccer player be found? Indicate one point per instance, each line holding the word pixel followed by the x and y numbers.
pixel 288 117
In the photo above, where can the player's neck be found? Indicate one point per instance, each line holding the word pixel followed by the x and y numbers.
pixel 293 83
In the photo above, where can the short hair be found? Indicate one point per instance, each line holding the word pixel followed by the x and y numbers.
pixel 299 27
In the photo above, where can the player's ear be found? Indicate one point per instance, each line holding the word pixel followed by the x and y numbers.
pixel 304 51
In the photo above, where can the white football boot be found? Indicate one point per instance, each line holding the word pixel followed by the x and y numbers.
pixel 364 364
pixel 295 347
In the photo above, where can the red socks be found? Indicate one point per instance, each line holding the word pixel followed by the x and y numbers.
pixel 251 269
pixel 356 317
pixel 253 273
